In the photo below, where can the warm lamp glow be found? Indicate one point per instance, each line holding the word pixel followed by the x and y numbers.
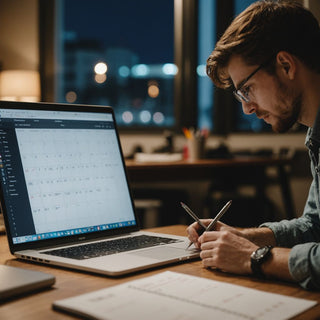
pixel 20 85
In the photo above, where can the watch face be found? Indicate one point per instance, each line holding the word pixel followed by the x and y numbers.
pixel 261 253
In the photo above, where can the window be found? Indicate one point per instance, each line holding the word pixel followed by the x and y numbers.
pixel 145 54
pixel 206 41
pixel 117 53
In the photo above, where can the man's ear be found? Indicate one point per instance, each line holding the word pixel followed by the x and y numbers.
pixel 287 64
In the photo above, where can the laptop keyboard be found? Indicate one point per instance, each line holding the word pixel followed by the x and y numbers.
pixel 98 249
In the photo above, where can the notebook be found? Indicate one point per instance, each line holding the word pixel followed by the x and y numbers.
pixel 16 281
pixel 65 195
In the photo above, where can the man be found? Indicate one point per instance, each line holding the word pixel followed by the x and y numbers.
pixel 270 55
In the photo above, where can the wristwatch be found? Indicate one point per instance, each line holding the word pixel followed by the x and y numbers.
pixel 257 258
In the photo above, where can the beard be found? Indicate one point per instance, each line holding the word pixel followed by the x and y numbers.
pixel 287 120
pixel 291 108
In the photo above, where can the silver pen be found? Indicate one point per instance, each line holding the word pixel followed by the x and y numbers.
pixel 212 223
pixel 219 215
pixel 192 214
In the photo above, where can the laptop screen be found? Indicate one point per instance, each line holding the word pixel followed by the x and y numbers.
pixel 62 174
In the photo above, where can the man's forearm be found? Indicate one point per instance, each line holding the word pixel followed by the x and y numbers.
pixel 259 236
pixel 277 265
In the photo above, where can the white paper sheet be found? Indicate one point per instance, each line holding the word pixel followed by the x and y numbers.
pixel 174 296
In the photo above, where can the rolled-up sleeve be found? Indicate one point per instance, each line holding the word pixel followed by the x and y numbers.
pixel 304 265
pixel 303 236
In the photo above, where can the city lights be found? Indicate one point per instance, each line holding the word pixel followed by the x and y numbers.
pixel 100 68
pixel 124 72
pixel 158 117
pixel 140 70
pixel 153 90
pixel 127 117
pixel 170 69
pixel 145 116
pixel 71 97
pixel 100 78
pixel 114 63
pixel 201 70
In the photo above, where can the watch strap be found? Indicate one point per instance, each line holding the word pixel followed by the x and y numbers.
pixel 256 263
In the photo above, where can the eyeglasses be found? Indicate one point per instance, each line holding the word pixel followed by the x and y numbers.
pixel 242 93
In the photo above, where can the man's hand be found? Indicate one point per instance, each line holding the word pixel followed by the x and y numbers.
pixel 226 250
pixel 229 249
pixel 193 230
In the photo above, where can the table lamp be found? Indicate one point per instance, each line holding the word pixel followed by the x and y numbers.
pixel 20 85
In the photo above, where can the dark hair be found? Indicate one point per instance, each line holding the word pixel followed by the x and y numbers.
pixel 262 30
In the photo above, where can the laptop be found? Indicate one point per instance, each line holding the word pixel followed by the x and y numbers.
pixel 17 281
pixel 65 195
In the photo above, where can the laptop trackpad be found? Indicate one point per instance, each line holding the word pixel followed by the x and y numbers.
pixel 161 253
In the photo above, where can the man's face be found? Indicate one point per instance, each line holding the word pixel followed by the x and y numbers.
pixel 270 96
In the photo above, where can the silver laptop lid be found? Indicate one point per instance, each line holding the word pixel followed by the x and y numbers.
pixel 62 174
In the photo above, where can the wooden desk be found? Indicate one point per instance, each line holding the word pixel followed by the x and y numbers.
pixel 206 169
pixel 71 283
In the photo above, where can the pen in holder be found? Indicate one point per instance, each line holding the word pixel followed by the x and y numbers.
pixel 196 148
pixel 195 143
